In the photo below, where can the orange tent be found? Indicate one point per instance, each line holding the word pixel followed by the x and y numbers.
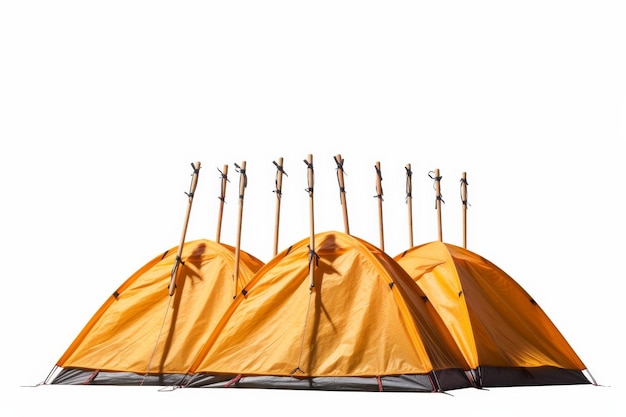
pixel 143 335
pixel 360 324
pixel 504 335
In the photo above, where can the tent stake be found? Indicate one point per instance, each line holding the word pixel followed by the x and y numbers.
pixel 243 182
pixel 312 255
pixel 222 198
pixel 279 194
pixel 464 208
pixel 379 195
pixel 409 201
pixel 192 190
pixel 342 191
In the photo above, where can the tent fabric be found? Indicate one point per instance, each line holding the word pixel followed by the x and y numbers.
pixel 436 317
pixel 141 334
pixel 505 336
pixel 363 323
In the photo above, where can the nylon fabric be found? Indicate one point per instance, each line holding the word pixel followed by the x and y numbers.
pixel 124 332
pixel 493 320
pixel 356 325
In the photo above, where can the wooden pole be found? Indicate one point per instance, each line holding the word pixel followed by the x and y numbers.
pixel 243 182
pixel 222 199
pixel 438 202
pixel 379 195
pixel 178 261
pixel 312 255
pixel 342 192
pixel 279 194
pixel 464 202
pixel 409 201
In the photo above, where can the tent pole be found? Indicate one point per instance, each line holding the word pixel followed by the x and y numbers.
pixel 243 182
pixel 309 163
pixel 464 203
pixel 409 201
pixel 438 200
pixel 222 198
pixel 342 191
pixel 192 190
pixel 379 195
pixel 279 194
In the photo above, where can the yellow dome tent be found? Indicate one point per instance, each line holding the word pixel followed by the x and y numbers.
pixel 503 333
pixel 143 336
pixel 149 331
pixel 360 323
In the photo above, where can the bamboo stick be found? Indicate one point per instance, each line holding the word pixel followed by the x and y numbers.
pixel 379 195
pixel 439 200
pixel 222 198
pixel 464 207
pixel 243 182
pixel 279 193
pixel 309 163
pixel 342 191
pixel 178 261
pixel 409 201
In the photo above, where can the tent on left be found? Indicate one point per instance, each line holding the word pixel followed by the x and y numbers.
pixel 150 329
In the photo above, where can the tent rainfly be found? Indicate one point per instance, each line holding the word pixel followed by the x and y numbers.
pixel 143 336
pixel 360 324
pixel 504 335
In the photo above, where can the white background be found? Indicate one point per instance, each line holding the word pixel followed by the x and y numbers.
pixel 104 106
